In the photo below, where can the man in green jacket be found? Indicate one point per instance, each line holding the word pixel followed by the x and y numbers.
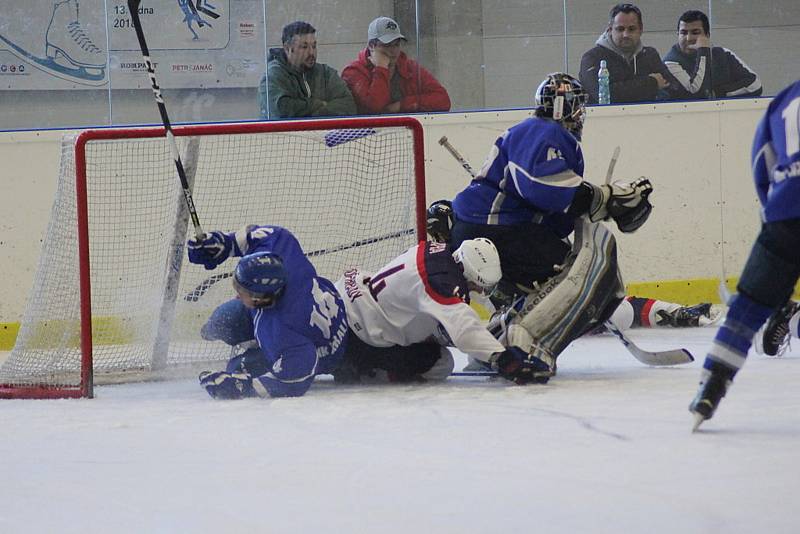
pixel 296 85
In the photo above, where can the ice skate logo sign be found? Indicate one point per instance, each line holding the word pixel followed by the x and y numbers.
pixel 70 52
pixel 192 10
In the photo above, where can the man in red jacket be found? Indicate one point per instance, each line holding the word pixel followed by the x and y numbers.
pixel 384 80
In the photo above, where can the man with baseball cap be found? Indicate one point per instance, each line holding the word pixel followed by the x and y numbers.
pixel 384 80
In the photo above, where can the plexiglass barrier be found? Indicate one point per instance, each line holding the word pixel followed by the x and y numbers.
pixel 77 63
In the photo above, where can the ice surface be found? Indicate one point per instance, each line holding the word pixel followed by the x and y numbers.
pixel 605 447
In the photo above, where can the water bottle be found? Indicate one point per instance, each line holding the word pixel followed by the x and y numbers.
pixel 604 91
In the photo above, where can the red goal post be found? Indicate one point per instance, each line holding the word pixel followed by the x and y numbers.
pixel 114 298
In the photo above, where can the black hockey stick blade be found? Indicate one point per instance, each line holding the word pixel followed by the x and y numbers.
pixel 656 359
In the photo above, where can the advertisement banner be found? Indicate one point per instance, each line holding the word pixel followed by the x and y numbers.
pixel 89 44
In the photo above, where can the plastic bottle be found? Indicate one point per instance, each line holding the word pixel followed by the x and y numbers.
pixel 604 91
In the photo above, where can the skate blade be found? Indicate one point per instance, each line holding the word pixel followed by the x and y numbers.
pixel 64 60
pixel 698 420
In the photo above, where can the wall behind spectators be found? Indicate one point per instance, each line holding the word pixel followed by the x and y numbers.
pixel 696 153
pixel 489 54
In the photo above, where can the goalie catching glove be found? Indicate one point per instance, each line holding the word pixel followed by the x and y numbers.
pixel 518 366
pixel 626 203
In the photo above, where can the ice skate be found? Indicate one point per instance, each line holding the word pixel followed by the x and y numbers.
pixel 67 43
pixel 697 315
pixel 713 386
pixel 70 53
pixel 775 336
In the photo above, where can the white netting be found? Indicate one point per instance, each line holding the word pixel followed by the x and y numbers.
pixel 333 189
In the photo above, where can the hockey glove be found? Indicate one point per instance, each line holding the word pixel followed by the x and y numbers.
pixel 212 251
pixel 627 204
pixel 518 366
pixel 440 220
pixel 221 385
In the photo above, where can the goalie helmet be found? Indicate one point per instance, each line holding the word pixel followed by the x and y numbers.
pixel 261 277
pixel 562 98
pixel 481 264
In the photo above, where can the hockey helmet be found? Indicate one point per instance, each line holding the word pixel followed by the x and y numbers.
pixel 481 264
pixel 440 220
pixel 562 98
pixel 261 277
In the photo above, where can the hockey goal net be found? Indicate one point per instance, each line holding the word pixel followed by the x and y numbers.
pixel 114 297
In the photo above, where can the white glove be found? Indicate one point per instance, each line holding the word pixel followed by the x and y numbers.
pixel 626 203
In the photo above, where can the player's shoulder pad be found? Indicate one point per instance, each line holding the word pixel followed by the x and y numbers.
pixel 441 273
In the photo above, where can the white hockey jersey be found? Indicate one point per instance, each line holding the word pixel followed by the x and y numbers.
pixel 419 296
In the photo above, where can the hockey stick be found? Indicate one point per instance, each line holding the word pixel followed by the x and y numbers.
pixel 660 358
pixel 725 294
pixel 612 164
pixel 453 152
pixel 203 287
pixel 133 7
pixel 657 359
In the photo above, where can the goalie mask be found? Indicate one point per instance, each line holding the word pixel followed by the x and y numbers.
pixel 440 220
pixel 259 279
pixel 481 264
pixel 561 97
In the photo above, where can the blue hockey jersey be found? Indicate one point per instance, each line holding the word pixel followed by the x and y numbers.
pixel 776 157
pixel 530 175
pixel 303 335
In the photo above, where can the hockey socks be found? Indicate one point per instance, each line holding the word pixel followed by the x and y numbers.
pixel 735 336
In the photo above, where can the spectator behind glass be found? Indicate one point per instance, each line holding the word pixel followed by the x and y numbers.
pixel 636 71
pixel 384 80
pixel 298 85
pixel 702 71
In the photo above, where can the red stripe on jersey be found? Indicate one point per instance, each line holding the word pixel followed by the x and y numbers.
pixel 423 274
pixel 644 315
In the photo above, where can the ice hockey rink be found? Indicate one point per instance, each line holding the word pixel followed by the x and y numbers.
pixel 604 447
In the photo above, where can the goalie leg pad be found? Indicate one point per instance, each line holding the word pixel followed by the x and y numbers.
pixel 773 266
pixel 559 311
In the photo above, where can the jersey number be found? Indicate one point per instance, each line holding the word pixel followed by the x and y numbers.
pixel 791 116
pixel 378 282
pixel 324 310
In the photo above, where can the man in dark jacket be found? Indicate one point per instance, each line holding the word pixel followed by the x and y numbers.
pixel 636 72
pixel 703 71
pixel 296 85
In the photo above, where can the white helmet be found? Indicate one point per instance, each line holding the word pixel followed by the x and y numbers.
pixel 480 262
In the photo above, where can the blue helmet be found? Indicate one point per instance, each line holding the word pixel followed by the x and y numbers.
pixel 262 277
